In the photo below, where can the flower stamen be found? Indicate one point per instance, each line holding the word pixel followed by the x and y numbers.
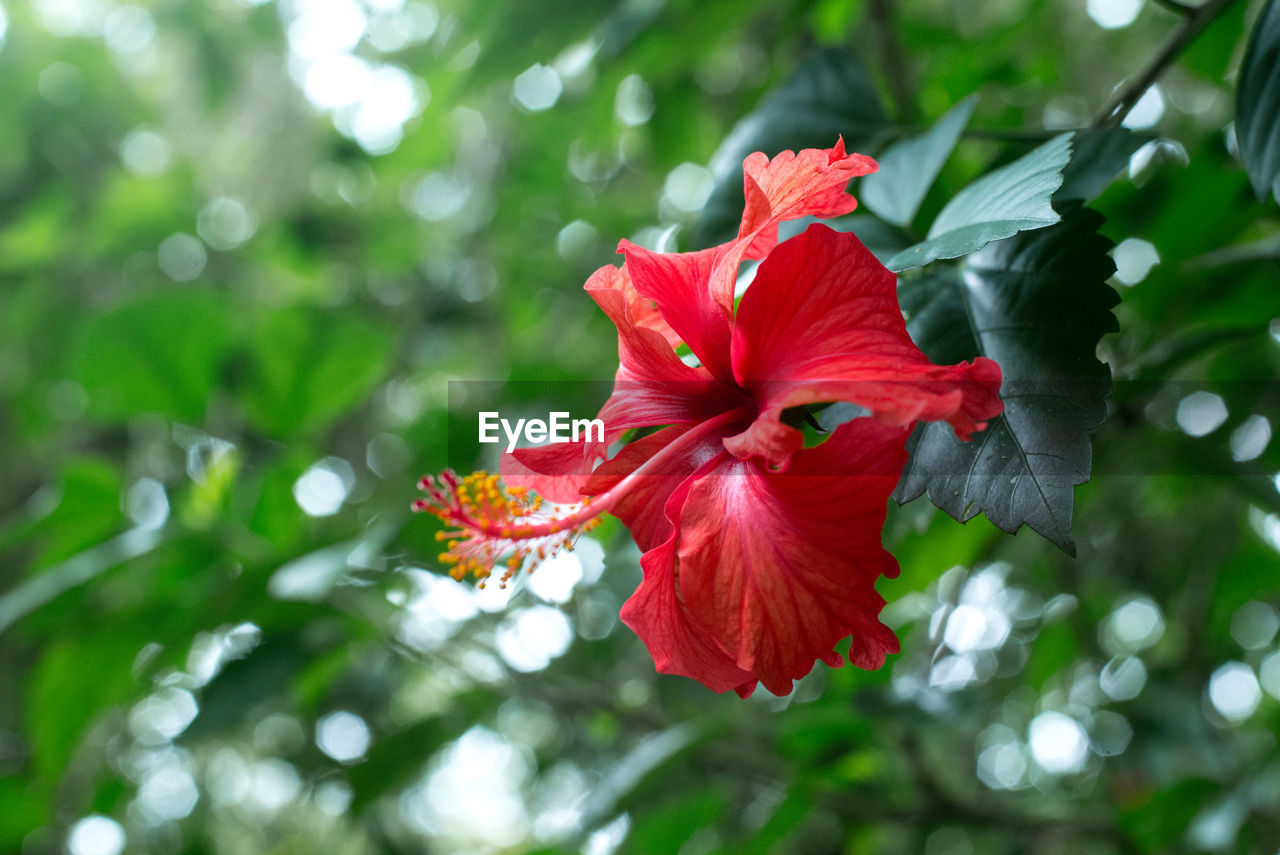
pixel 488 523
pixel 497 524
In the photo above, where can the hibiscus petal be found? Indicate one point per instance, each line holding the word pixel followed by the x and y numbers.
pixel 842 337
pixel 809 184
pixel 694 291
pixel 612 289
pixel 777 567
pixel 769 438
pixel 680 283
pixel 652 386
pixel 643 508
pixel 556 472
pixel 654 612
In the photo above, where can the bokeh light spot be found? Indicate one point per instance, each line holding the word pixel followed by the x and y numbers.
pixel 633 103
pixel 1234 691
pixel 1251 438
pixel 60 84
pixel 577 241
pixel 472 797
pixel 1123 679
pixel 554 579
pixel 1254 624
pixel 1113 14
pixel 688 187
pixel 321 490
pixel 390 98
pixel 1110 733
pixel 1134 258
pixel 1003 766
pixel 438 196
pixel 225 223
pixel 182 257
pixel 529 639
pixel 1133 626
pixel 537 88
pixel 145 153
pixel 325 27
pixel 1147 112
pixel 163 716
pixel 1269 674
pixel 335 81
pixel 1058 743
pixel 128 29
pixel 147 504
pixel 96 835
pixel 965 628
pixel 343 735
pixel 168 793
pixel 1201 413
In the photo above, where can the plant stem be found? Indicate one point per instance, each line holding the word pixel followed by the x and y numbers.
pixel 1194 21
pixel 880 18
pixel 1011 135
pixel 1031 135
pixel 1177 7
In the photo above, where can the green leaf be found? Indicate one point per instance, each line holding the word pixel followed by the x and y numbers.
pixel 87 488
pixel 829 95
pixel 77 679
pixel 1097 156
pixel 159 354
pixel 908 168
pixel 1037 304
pixel 676 818
pixel 776 832
pixel 309 367
pixel 1258 104
pixel 1156 822
pixel 998 205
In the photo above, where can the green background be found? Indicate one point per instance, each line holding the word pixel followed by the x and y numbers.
pixel 228 322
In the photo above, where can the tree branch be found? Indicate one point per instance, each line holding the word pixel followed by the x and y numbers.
pixel 1194 21
pixel 880 19
pixel 1177 7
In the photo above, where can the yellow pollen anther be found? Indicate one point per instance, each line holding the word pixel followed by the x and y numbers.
pixel 489 524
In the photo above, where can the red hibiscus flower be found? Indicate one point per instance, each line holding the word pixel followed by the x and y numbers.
pixel 759 554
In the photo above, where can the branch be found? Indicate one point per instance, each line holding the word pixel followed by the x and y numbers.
pixel 1031 135
pixel 1194 21
pixel 880 18
pixel 1009 135
pixel 1177 7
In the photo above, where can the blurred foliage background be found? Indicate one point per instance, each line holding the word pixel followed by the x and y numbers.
pixel 243 249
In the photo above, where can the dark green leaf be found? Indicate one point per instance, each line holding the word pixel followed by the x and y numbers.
pixel 1097 156
pixel 160 354
pixel 998 205
pixel 908 168
pixel 828 96
pixel 1037 304
pixel 1258 104
pixel 263 675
